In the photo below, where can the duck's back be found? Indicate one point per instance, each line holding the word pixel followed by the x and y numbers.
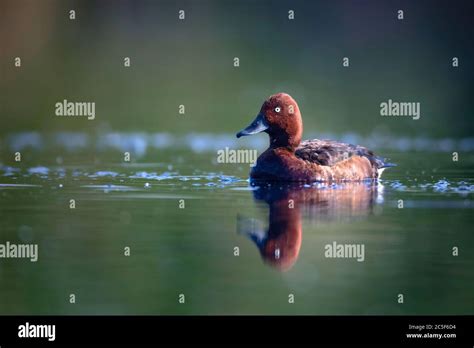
pixel 330 152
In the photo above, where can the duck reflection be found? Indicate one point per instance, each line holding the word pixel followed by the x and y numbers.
pixel 280 244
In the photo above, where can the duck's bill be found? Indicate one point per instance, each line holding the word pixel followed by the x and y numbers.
pixel 257 126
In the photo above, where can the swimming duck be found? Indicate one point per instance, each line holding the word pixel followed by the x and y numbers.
pixel 290 159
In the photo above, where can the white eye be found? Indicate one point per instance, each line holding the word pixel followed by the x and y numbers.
pixel 277 109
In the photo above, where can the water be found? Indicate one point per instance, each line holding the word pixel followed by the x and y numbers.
pixel 182 216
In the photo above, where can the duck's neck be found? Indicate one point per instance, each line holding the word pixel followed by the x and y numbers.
pixel 285 141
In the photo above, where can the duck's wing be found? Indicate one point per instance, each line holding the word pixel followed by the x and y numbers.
pixel 330 152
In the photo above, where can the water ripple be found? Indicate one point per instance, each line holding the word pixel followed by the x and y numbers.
pixel 145 179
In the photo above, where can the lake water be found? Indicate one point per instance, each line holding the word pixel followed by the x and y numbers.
pixel 185 217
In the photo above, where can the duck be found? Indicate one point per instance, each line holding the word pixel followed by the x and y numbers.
pixel 289 159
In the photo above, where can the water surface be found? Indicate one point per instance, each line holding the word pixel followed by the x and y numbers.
pixel 191 250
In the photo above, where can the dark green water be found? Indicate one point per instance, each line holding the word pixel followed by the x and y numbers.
pixel 190 251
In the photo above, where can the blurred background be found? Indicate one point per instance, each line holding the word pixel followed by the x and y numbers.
pixel 190 62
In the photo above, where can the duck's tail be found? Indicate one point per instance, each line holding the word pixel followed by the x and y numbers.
pixel 382 165
pixel 387 165
pixel 381 162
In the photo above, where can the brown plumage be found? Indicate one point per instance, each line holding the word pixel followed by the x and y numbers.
pixel 289 159
pixel 280 243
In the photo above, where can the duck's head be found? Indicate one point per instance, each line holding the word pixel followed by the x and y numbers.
pixel 279 117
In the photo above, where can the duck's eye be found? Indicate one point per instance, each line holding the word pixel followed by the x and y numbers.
pixel 277 109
